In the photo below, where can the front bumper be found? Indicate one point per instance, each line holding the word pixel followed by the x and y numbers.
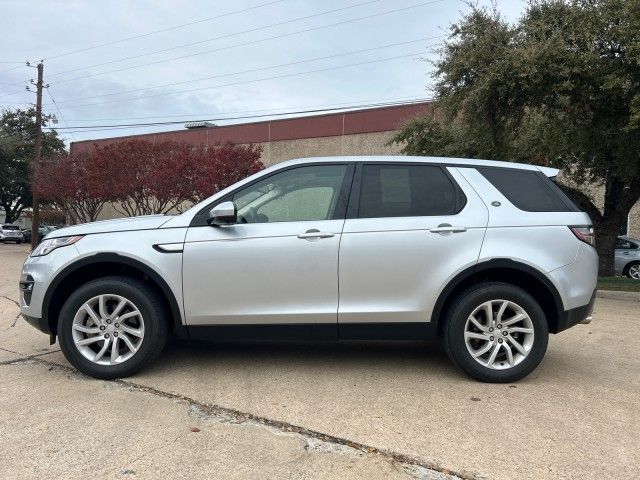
pixel 576 315
pixel 40 323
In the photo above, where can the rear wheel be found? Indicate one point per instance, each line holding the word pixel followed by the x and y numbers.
pixel 496 332
pixel 632 270
pixel 112 327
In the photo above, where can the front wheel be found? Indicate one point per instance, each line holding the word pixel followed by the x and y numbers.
pixel 496 332
pixel 112 327
pixel 632 271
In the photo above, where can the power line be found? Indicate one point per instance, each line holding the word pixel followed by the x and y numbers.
pixel 11 70
pixel 298 62
pixel 164 50
pixel 414 54
pixel 97 128
pixel 253 42
pixel 58 109
pixel 409 98
pixel 14 93
pixel 133 37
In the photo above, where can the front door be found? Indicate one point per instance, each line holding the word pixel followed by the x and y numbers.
pixel 279 263
pixel 410 228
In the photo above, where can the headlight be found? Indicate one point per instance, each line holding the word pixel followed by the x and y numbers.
pixel 48 246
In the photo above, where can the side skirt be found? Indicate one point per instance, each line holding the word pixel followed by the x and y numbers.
pixel 314 332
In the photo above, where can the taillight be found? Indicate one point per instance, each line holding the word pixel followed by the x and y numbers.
pixel 584 233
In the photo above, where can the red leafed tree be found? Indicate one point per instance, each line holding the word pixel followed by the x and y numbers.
pixel 73 183
pixel 144 177
pixel 220 166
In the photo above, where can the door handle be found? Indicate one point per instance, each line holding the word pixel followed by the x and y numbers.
pixel 444 228
pixel 313 233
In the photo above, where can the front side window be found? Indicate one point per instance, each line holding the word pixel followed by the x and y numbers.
pixel 295 195
pixel 406 191
pixel 623 244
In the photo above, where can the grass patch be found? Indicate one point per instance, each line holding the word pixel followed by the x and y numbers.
pixel 621 284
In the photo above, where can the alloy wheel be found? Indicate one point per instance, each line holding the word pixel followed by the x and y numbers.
pixel 499 334
pixel 108 329
pixel 634 272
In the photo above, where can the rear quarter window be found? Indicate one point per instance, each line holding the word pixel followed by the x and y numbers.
pixel 528 190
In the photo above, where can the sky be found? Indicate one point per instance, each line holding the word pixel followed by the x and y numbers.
pixel 121 62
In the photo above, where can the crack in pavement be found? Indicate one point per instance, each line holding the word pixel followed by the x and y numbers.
pixel 10 299
pixel 161 447
pixel 417 467
pixel 15 320
pixel 24 359
pixel 13 324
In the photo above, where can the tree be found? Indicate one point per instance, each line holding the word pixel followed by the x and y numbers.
pixel 143 177
pixel 220 166
pixel 74 184
pixel 561 87
pixel 17 138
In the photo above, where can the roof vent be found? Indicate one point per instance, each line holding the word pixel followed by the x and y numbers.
pixel 192 125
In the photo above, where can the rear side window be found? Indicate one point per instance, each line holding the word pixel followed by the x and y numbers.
pixel 623 244
pixel 407 191
pixel 528 190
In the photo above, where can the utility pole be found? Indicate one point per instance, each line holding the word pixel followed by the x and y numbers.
pixel 35 219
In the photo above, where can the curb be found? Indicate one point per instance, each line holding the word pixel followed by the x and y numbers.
pixel 615 295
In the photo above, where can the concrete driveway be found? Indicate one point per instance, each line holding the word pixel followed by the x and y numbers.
pixel 321 411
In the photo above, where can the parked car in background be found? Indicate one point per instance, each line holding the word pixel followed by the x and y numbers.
pixel 360 248
pixel 42 231
pixel 627 259
pixel 11 233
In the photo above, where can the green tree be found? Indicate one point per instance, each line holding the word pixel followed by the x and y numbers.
pixel 17 134
pixel 560 87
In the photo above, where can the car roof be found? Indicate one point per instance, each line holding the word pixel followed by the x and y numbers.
pixel 627 237
pixel 453 161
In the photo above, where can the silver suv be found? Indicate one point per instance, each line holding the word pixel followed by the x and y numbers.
pixel 10 233
pixel 487 256
pixel 627 258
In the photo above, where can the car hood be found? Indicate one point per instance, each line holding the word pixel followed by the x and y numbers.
pixel 147 222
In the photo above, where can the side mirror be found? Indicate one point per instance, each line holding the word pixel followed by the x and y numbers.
pixel 224 213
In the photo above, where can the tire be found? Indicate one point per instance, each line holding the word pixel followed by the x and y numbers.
pixel 462 336
pixel 19 242
pixel 76 325
pixel 632 270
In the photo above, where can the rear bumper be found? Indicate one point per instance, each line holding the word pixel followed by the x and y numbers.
pixel 576 315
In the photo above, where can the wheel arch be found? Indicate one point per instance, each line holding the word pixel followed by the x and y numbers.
pixel 103 265
pixel 628 265
pixel 509 271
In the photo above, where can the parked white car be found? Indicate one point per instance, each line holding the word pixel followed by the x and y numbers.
pixel 487 256
pixel 627 258
pixel 11 233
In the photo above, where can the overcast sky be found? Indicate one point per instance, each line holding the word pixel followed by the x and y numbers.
pixel 234 57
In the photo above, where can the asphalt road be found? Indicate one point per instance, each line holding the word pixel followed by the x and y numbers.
pixel 321 411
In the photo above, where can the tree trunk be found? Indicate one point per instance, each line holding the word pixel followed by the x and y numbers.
pixel 605 246
pixel 618 201
pixel 11 215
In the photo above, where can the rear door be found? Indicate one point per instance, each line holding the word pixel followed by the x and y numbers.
pixel 410 228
